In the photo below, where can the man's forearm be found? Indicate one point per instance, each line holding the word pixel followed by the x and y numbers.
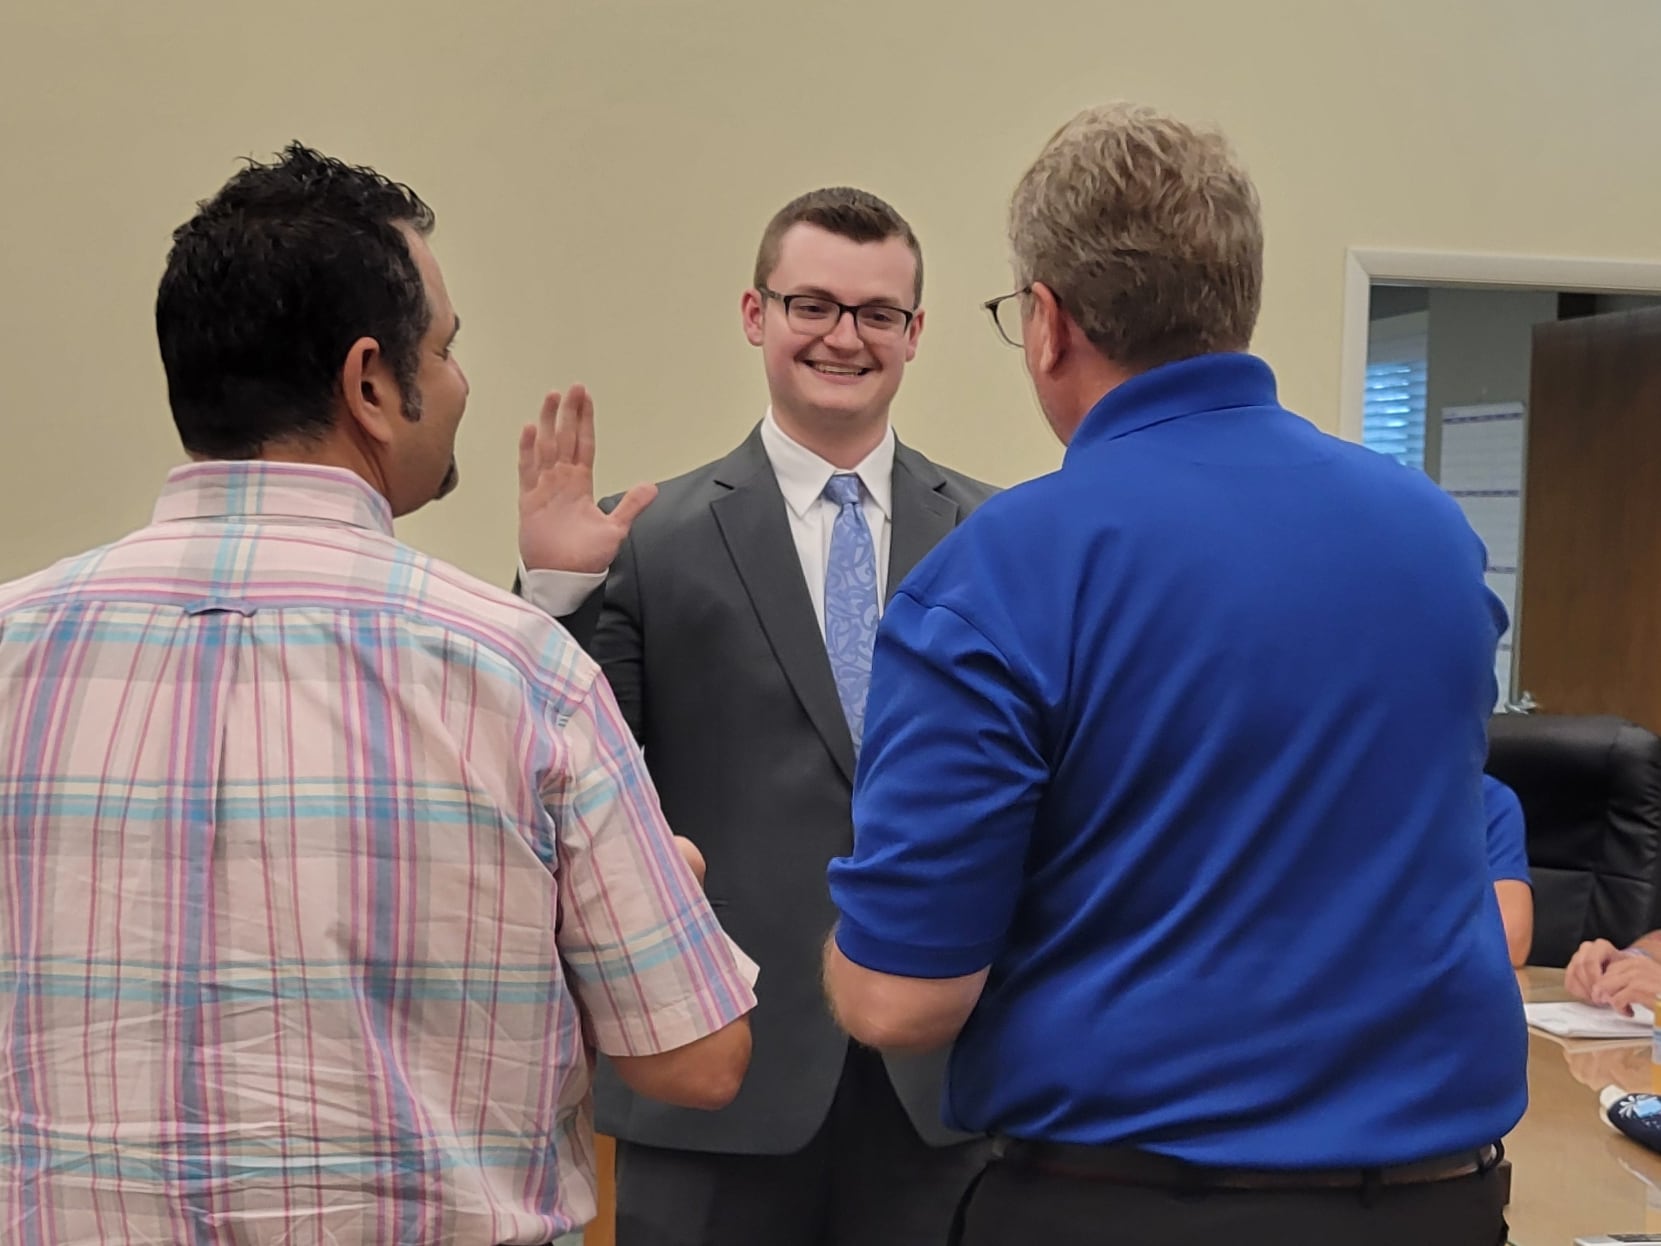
pixel 895 1013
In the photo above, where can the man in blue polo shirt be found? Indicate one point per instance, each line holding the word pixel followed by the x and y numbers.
pixel 1170 807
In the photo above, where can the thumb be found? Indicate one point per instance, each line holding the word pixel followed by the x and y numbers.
pixel 632 503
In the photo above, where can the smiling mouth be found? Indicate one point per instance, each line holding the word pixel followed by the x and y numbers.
pixel 836 369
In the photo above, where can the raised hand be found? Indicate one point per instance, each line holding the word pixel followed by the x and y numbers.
pixel 561 528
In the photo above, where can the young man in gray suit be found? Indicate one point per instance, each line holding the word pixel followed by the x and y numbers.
pixel 735 625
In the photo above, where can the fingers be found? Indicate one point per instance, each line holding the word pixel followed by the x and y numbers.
pixel 1587 965
pixel 565 426
pixel 1634 979
pixel 1575 978
pixel 565 429
pixel 632 503
pixel 547 431
pixel 583 416
pixel 527 458
pixel 1623 998
pixel 563 437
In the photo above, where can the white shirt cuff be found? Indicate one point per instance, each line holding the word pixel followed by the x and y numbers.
pixel 558 593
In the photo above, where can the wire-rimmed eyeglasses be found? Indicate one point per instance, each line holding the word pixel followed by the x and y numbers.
pixel 1006 314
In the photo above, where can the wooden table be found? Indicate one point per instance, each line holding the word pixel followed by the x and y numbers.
pixel 602 1230
pixel 1572 1174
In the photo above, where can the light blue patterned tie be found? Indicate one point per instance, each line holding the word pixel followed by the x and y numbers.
pixel 850 601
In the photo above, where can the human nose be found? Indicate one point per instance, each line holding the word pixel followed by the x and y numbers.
pixel 845 334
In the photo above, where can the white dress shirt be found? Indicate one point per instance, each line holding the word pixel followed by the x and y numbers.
pixel 802 476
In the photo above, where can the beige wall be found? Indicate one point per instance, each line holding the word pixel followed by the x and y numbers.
pixel 601 169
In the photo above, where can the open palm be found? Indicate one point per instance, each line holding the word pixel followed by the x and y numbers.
pixel 561 528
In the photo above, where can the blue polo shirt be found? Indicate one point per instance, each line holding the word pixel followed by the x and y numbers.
pixel 1184 741
pixel 1507 832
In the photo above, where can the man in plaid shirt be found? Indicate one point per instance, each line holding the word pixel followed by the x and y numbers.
pixel 327 867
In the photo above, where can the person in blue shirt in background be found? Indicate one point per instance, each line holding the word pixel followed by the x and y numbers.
pixel 1508 866
pixel 1155 821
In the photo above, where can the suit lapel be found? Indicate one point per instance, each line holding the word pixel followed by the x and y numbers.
pixel 751 517
pixel 922 514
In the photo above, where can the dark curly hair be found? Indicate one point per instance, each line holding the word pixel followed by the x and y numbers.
pixel 268 286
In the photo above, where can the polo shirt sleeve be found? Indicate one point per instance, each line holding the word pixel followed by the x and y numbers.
pixel 1507 846
pixel 950 775
pixel 642 951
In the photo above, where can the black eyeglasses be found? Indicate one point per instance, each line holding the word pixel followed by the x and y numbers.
pixel 1006 315
pixel 818 315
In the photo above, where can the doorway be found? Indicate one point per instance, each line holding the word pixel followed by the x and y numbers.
pixel 1442 372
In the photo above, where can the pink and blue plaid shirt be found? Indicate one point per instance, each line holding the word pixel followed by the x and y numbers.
pixel 325 867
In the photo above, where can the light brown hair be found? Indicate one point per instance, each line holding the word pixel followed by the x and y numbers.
pixel 1148 231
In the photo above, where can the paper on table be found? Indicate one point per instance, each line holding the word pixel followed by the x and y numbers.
pixel 1576 1020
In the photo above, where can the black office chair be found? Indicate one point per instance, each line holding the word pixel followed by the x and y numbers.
pixel 1590 787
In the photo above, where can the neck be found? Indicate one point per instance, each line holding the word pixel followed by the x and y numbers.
pixel 332 451
pixel 842 441
pixel 1089 384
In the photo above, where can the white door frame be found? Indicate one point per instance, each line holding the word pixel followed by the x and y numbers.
pixel 1365 265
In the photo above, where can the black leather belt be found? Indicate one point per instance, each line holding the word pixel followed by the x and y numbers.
pixel 1128 1166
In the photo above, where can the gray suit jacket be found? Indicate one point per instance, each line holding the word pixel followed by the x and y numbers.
pixel 708 637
